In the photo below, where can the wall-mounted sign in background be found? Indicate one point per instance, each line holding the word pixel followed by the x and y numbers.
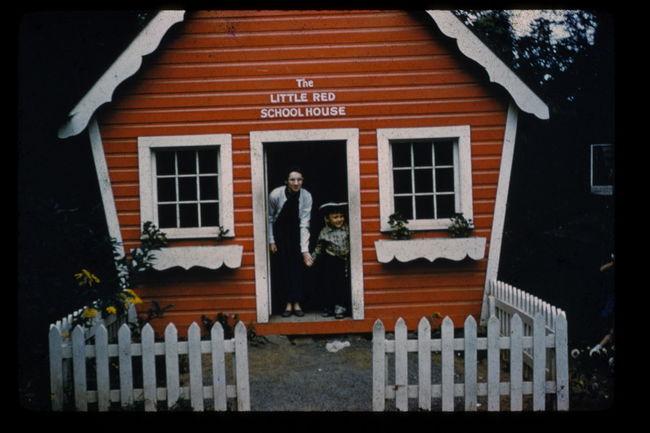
pixel 303 97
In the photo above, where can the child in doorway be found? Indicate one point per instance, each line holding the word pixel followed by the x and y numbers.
pixel 332 252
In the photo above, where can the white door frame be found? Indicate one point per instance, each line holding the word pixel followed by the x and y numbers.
pixel 260 210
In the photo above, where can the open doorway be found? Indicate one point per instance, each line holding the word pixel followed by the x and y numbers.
pixel 324 165
pixel 320 151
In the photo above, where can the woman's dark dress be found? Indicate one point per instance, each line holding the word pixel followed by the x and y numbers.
pixel 286 231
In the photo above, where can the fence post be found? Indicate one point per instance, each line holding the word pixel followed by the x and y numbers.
pixel 401 365
pixel 196 373
pixel 447 361
pixel 561 363
pixel 493 363
pixel 241 369
pixel 470 364
pixel 126 366
pixel 101 363
pixel 539 362
pixel 378 366
pixel 79 368
pixel 424 364
pixel 148 368
pixel 218 367
pixel 56 368
pixel 516 363
pixel 171 365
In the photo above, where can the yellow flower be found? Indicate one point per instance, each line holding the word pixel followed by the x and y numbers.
pixel 86 278
pixel 89 313
pixel 111 310
pixel 130 297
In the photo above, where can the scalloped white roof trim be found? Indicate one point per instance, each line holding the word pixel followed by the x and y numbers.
pixel 498 72
pixel 127 64
pixel 430 248
pixel 211 257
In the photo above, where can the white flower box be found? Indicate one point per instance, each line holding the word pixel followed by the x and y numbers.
pixel 430 248
pixel 211 257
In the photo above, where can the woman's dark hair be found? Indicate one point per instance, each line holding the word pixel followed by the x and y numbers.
pixel 292 169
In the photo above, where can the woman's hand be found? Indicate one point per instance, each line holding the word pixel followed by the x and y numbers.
pixel 273 248
pixel 308 259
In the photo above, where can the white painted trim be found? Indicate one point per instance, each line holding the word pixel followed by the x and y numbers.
pixel 260 212
pixel 462 171
pixel 146 167
pixel 497 71
pixel 206 256
pixel 105 187
pixel 500 204
pixel 431 249
pixel 127 64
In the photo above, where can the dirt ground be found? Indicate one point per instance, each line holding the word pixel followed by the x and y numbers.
pixel 299 374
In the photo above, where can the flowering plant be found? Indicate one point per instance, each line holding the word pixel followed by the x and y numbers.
pixel 120 299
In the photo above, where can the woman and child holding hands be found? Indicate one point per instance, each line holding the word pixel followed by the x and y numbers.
pixel 289 219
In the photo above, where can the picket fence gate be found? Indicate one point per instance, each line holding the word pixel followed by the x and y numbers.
pixel 71 357
pixel 515 343
pixel 505 300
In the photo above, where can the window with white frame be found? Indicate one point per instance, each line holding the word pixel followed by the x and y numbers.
pixel 186 184
pixel 425 174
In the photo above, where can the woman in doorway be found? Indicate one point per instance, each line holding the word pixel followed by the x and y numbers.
pixel 289 217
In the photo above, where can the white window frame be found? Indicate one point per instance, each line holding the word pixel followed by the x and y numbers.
pixel 147 147
pixel 462 171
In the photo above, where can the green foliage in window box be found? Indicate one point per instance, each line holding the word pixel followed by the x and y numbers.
pixel 398 223
pixel 460 227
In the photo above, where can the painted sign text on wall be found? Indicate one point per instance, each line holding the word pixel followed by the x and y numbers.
pixel 302 97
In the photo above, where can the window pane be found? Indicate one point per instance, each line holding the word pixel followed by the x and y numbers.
pixel 189 215
pixel 208 161
pixel 445 205
pixel 209 187
pixel 404 206
pixel 422 154
pixel 186 162
pixel 444 180
pixel 165 163
pixel 424 207
pixel 167 189
pixel 166 215
pixel 423 180
pixel 209 214
pixel 444 153
pixel 402 181
pixel 186 188
pixel 401 155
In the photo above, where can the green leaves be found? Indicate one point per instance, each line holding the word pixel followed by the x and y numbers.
pixel 460 227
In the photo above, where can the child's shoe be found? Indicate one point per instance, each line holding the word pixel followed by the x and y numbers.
pixel 327 312
pixel 339 312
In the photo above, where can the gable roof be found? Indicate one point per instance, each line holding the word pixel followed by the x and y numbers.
pixel 129 62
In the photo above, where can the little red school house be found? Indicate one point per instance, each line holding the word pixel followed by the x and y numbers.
pixel 196 121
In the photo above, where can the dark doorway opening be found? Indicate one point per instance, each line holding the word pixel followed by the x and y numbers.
pixel 325 177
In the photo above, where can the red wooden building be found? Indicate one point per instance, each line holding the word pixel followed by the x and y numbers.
pixel 389 110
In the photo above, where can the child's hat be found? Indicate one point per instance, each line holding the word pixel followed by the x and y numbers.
pixel 332 207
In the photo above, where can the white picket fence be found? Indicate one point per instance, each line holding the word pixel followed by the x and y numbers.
pixel 505 300
pixel 471 388
pixel 71 358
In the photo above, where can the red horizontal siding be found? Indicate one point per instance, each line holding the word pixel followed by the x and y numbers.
pixel 390 69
